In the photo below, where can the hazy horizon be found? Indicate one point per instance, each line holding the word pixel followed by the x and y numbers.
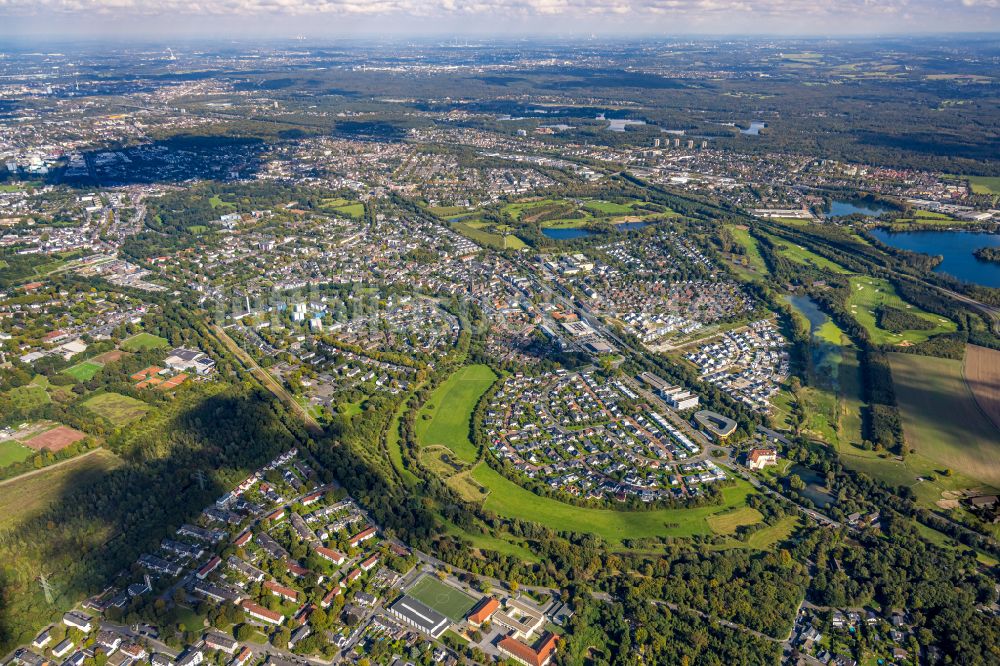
pixel 332 19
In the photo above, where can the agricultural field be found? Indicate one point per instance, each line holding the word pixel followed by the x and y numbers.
pixel 83 371
pixel 29 494
pixel 941 418
pixel 444 419
pixel 982 374
pixel 142 341
pixel 868 293
pixel 445 599
pixel 119 409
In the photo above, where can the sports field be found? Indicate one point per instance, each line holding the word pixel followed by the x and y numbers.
pixel 450 408
pixel 941 418
pixel 868 293
pixel 445 599
pixel 508 499
pixel 142 341
pixel 55 439
pixel 83 371
pixel 27 495
pixel 119 409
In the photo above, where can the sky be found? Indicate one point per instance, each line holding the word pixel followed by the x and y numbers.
pixel 482 18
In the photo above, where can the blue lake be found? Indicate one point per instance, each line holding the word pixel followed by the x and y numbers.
pixel 631 226
pixel 842 208
pixel 955 246
pixel 566 234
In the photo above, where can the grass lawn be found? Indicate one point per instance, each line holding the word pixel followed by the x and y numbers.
pixel 351 210
pixel 119 409
pixel 141 341
pixel 985 184
pixel 509 499
pixel 24 497
pixel 609 207
pixel 801 255
pixel 12 452
pixel 83 371
pixel 749 243
pixel 450 408
pixel 868 293
pixel 941 418
pixel 443 598
pixel 216 202
pixel 189 618
pixel 447 211
pixel 506 241
pixel 728 521
pixel 197 229
pixel 766 537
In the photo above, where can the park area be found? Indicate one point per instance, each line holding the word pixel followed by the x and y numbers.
pixel 868 294
pixel 445 599
pixel 445 419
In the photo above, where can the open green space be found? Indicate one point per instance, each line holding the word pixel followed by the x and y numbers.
pixel 29 396
pixel 445 599
pixel 727 522
pixel 447 211
pixel 985 184
pixel 394 444
pixel 12 451
pixel 511 500
pixel 28 495
pixel 83 371
pixel 766 537
pixel 800 255
pixel 119 409
pixel 141 341
pixel 485 541
pixel 609 207
pixel 197 229
pixel 751 250
pixel 941 418
pixel 216 202
pixel 495 240
pixel 444 419
pixel 351 210
pixel 868 293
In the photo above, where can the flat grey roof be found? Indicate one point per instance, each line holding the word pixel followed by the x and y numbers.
pixel 423 616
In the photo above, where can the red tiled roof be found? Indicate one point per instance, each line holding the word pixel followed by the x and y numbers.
pixel 536 657
pixel 483 610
